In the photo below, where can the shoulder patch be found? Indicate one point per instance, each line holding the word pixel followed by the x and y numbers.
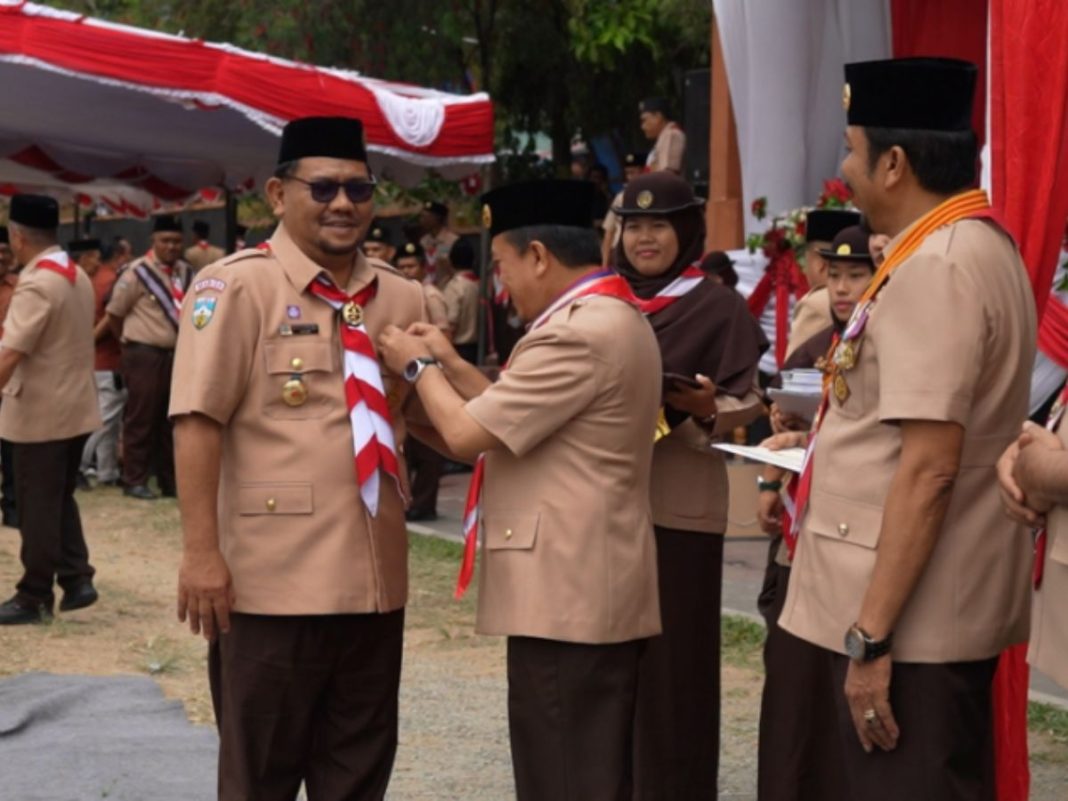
pixel 204 284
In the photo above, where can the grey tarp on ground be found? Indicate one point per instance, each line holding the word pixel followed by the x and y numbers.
pixel 86 738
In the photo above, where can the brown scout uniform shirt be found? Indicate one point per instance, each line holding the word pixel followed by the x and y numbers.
pixel 143 319
pixel 951 338
pixel 202 254
pixel 668 150
pixel 568 537
pixel 437 308
pixel 7 290
pixel 812 314
pixel 1049 607
pixel 461 298
pixel 52 394
pixel 292 527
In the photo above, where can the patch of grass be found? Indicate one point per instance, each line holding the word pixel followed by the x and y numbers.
pixel 1049 720
pixel 161 655
pixel 743 641
pixel 432 567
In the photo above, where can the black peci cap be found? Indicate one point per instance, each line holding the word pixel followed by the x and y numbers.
pixel 559 202
pixel 328 137
pixel 378 233
pixel 166 224
pixel 923 94
pixel 655 105
pixel 823 225
pixel 850 244
pixel 77 246
pixel 440 210
pixel 411 250
pixel 35 211
pixel 656 194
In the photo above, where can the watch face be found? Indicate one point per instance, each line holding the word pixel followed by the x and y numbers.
pixel 854 645
pixel 411 370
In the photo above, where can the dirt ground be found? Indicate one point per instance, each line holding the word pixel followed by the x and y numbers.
pixel 454 734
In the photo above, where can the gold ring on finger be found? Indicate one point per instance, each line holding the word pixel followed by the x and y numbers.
pixel 869 717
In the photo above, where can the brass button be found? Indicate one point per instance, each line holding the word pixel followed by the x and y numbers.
pixel 508 534
pixel 297 363
pixel 843 529
pixel 272 504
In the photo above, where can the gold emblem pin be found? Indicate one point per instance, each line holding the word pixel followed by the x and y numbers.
pixel 844 250
pixel 847 96
pixel 487 216
pixel 352 314
pixel 846 357
pixel 841 389
pixel 294 393
pixel 645 199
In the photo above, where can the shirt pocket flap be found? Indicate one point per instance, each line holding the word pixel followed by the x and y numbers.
pixel 510 531
pixel 845 520
pixel 274 499
pixel 298 356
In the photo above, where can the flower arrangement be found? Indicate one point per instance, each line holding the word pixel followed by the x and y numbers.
pixel 787 231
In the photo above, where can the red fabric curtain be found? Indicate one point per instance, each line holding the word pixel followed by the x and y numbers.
pixel 947 29
pixel 1029 139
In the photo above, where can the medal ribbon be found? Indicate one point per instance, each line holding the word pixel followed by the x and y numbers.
pixel 971 204
pixel 372 424
pixel 59 263
pixel 602 282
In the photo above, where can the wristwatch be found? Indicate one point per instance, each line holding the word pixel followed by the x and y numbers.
pixel 860 647
pixel 414 368
pixel 768 486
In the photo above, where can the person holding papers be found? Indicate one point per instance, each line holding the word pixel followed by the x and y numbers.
pixel 710 345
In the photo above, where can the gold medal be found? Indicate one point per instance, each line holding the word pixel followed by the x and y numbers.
pixel 352 314
pixel 847 356
pixel 841 389
pixel 294 392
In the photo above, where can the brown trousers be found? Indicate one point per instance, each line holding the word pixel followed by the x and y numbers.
pixel 676 731
pixel 800 750
pixel 147 438
pixel 307 698
pixel 53 544
pixel 570 717
pixel 946 748
pixel 424 469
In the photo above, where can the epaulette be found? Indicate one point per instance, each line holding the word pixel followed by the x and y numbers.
pixel 247 253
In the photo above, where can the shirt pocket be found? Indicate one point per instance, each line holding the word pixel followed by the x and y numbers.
pixel 13 387
pixel 275 499
pixel 843 520
pixel 314 366
pixel 510 531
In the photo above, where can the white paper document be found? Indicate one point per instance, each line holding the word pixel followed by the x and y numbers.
pixel 789 459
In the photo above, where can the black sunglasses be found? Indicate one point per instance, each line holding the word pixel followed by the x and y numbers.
pixel 324 190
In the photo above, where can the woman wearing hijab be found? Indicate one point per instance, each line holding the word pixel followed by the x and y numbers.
pixel 710 345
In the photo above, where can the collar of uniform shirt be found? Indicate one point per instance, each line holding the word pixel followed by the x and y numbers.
pixel 301 270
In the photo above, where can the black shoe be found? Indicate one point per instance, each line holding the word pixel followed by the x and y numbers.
pixel 17 612
pixel 82 482
pixel 416 515
pixel 139 491
pixel 78 597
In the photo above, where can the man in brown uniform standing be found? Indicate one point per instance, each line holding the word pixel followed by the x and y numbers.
pixel 294 562
pixel 460 288
pixel 437 239
pixel 8 279
pixel 569 563
pixel 906 570
pixel 143 311
pixel 49 408
pixel 669 141
pixel 202 253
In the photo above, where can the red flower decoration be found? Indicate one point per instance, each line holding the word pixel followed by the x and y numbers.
pixel 759 207
pixel 835 195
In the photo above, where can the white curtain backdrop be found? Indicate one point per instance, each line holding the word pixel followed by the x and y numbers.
pixel 784 61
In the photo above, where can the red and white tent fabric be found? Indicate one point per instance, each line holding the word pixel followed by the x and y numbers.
pixel 128 116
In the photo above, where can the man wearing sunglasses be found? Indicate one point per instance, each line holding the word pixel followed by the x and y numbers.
pixel 293 484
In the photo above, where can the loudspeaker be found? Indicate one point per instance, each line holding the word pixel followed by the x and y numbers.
pixel 696 123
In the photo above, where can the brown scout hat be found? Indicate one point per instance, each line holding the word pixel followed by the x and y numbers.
pixel 656 194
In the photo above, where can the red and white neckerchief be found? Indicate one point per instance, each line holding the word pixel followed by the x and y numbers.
pixel 59 263
pixel 1056 415
pixel 174 278
pixel 372 425
pixel 602 282
pixel 688 279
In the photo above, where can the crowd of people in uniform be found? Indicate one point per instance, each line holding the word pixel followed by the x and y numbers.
pixel 316 383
